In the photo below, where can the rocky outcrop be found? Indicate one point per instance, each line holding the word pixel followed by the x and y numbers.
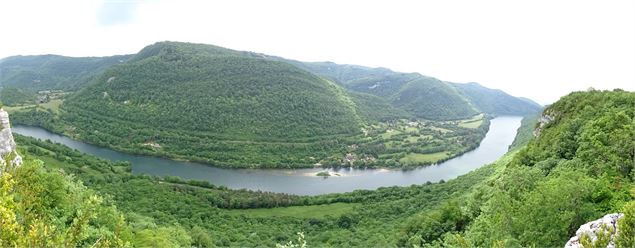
pixel 544 120
pixel 7 144
pixel 605 225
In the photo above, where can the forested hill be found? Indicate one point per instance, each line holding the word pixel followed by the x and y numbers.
pixel 53 72
pixel 397 94
pixel 577 168
pixel 496 101
pixel 192 87
pixel 225 107
pixel 213 105
pixel 423 96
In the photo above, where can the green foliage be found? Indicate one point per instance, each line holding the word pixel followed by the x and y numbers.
pixel 213 105
pixel 373 108
pixel 301 243
pixel 603 238
pixel 496 102
pixel 525 132
pixel 578 169
pixel 162 237
pixel 626 226
pixel 12 96
pixel 241 97
pixel 46 72
pixel 360 218
pixel 34 116
pixel 432 99
pixel 39 208
pixel 422 96
pixel 233 109
pixel 312 211
pixel 432 225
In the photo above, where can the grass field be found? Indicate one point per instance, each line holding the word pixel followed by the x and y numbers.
pixel 414 158
pixel 53 105
pixel 471 124
pixel 389 134
pixel 316 211
pixel 16 108
pixel 443 130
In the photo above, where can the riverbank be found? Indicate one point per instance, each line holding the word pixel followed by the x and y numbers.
pixel 402 143
pixel 295 181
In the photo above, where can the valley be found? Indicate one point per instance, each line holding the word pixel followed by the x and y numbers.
pixel 185 144
pixel 533 184
pixel 304 181
pixel 317 124
pixel 235 109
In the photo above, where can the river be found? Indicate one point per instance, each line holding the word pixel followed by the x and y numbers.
pixel 303 181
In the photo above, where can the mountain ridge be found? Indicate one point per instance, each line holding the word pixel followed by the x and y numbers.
pixel 401 92
pixel 413 91
pixel 230 108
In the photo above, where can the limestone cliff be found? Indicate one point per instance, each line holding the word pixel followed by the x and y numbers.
pixel 546 118
pixel 606 225
pixel 7 144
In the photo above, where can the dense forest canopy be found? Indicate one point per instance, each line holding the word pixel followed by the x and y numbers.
pixel 53 72
pixel 577 169
pixel 423 96
pixel 242 109
pixel 186 87
pixel 496 101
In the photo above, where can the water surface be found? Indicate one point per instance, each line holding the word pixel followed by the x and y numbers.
pixel 302 181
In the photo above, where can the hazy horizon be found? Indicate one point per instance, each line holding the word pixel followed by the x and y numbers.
pixel 539 50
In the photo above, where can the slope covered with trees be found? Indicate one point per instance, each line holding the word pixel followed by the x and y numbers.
pixel 578 168
pixel 53 72
pixel 422 96
pixel 188 87
pixel 211 104
pixel 13 96
pixel 242 109
pixel 496 101
pixel 217 216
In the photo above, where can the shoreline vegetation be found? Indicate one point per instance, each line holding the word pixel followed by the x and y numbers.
pixel 553 171
pixel 226 217
pixel 237 109
pixel 400 136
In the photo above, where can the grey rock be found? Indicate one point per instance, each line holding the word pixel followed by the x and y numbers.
pixel 594 227
pixel 544 120
pixel 7 144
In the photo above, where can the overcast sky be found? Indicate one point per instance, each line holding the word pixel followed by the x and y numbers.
pixel 536 49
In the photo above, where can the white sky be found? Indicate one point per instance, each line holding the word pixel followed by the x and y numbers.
pixel 537 49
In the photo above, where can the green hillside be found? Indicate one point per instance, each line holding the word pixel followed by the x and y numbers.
pixel 216 216
pixel 422 96
pixel 578 169
pixel 215 105
pixel 373 108
pixel 496 101
pixel 431 99
pixel 232 108
pixel 13 96
pixel 190 87
pixel 53 72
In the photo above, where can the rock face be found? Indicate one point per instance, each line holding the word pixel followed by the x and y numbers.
pixel 7 144
pixel 545 119
pixel 593 228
